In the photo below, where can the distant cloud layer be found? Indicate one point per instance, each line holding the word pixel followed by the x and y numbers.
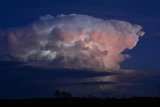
pixel 71 41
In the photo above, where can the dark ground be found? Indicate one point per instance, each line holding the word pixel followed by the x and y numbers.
pixel 82 102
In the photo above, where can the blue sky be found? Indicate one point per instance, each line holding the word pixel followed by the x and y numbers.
pixel 145 56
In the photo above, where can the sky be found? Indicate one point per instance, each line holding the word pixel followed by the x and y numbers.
pixel 25 80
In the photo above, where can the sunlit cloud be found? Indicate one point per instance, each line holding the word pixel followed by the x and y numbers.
pixel 73 41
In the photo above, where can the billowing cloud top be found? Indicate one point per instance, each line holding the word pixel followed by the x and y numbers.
pixel 72 41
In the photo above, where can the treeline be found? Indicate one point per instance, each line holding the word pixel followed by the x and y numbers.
pixel 83 102
pixel 65 99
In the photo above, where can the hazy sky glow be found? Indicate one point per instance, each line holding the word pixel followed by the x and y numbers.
pixel 39 38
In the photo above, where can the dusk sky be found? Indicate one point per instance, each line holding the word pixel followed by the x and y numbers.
pixel 107 48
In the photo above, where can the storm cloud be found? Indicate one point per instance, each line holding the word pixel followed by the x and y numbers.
pixel 71 41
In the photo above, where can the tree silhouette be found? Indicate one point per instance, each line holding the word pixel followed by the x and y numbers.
pixel 57 93
pixel 66 94
pixel 62 94
pixel 90 96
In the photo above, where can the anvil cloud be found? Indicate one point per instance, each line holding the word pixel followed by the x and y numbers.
pixel 72 41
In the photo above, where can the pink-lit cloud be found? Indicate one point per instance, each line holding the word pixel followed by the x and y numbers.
pixel 74 41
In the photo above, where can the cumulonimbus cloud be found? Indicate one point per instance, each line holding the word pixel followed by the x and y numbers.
pixel 72 41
